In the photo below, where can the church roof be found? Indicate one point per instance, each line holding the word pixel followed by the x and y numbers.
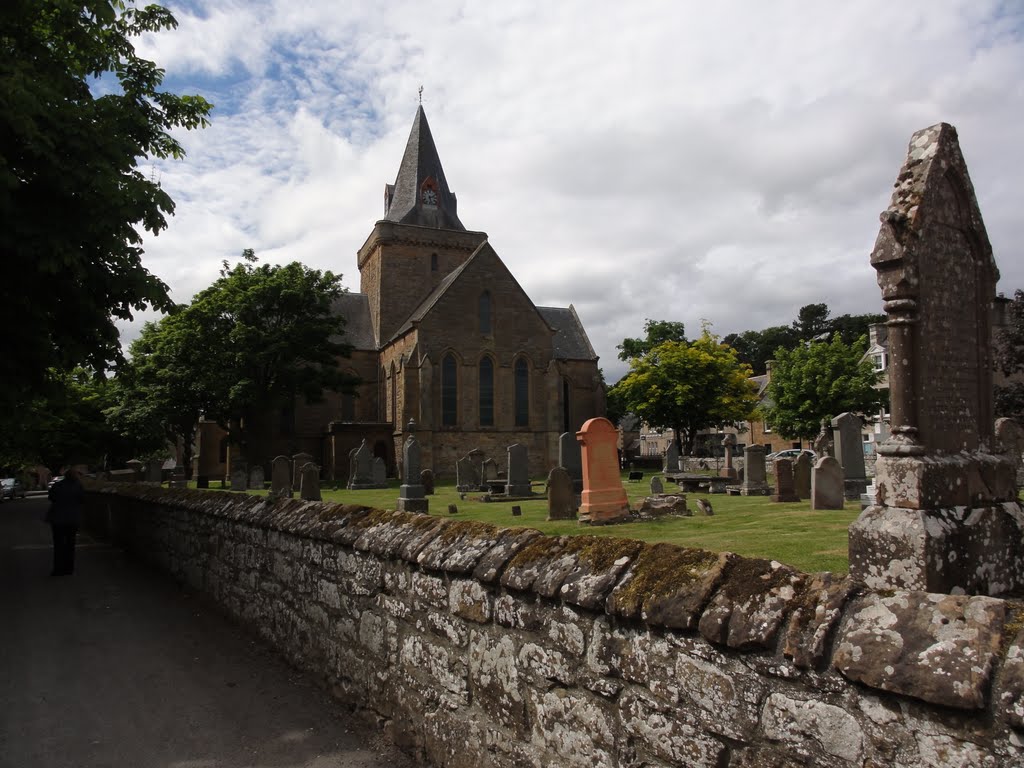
pixel 420 194
pixel 570 341
pixel 428 303
pixel 355 308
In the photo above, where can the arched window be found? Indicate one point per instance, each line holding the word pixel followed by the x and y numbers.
pixel 348 407
pixel 522 385
pixel 566 411
pixel 449 391
pixel 486 392
pixel 485 312
pixel 433 262
pixel 394 396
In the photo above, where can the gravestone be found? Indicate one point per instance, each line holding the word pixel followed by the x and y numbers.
pixel 823 445
pixel 427 481
pixel 155 471
pixel 136 467
pixel 849 447
pixel 518 471
pixel 239 476
pixel 705 507
pixel 570 459
pixel 517 511
pixel 827 484
pixel 784 487
pixel 309 482
pixel 656 486
pixel 488 474
pixel 411 496
pixel 280 478
pixel 755 476
pixel 360 468
pixel 654 507
pixel 802 475
pixel 178 479
pixel 729 444
pixel 948 517
pixel 202 482
pixel 299 460
pixel 561 498
pixel 453 509
pixel 256 479
pixel 670 460
pixel 604 497
pixel 380 473
pixel 467 474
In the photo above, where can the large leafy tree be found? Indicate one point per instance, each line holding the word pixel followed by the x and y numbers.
pixel 655 332
pixel 819 381
pixel 687 387
pixel 257 339
pixel 1009 359
pixel 79 110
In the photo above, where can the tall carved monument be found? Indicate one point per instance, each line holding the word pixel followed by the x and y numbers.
pixel 948 517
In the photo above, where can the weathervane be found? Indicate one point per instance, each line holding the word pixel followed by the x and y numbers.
pixel 421 95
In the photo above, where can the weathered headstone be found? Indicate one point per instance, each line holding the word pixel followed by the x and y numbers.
pixel 705 507
pixel 299 460
pixel 823 444
pixel 849 447
pixel 827 484
pixel 517 511
pixel 155 471
pixel 755 475
pixel 653 507
pixel 561 499
pixel 178 479
pixel 670 459
pixel 604 497
pixel 309 482
pixel 570 459
pixel 802 475
pixel 488 474
pixel 360 468
pixel 518 471
pixel 411 496
pixel 729 444
pixel 280 478
pixel 949 518
pixel 239 476
pixel 453 509
pixel 467 474
pixel 256 480
pixel 427 481
pixel 380 473
pixel 656 486
pixel 784 488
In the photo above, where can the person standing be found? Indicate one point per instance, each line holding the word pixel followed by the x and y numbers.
pixel 64 517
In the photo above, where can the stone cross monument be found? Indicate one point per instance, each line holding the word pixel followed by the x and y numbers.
pixel 948 517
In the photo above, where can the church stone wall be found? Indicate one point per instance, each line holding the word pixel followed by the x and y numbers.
pixel 488 647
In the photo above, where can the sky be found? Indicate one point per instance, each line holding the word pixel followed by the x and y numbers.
pixel 690 161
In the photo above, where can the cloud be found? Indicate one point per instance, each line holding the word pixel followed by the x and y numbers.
pixel 670 160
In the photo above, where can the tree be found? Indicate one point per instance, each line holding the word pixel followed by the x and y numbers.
pixel 267 335
pixel 78 110
pixel 656 332
pixel 756 348
pixel 819 381
pixel 812 321
pixel 1009 360
pixel 687 387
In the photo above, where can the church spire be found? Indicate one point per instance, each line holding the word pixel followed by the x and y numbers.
pixel 420 194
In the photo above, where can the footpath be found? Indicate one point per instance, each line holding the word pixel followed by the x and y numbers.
pixel 118 665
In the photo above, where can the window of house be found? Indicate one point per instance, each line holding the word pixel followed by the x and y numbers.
pixel 449 391
pixel 522 388
pixel 485 312
pixel 486 392
pixel 878 360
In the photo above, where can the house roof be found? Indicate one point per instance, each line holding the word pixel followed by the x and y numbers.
pixel 421 171
pixel 570 341
pixel 355 308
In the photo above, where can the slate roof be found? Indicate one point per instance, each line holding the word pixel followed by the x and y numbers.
pixel 355 308
pixel 420 162
pixel 570 341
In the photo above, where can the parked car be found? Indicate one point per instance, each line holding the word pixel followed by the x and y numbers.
pixel 791 453
pixel 12 488
pixel 56 479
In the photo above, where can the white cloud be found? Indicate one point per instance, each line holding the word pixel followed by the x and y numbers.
pixel 670 160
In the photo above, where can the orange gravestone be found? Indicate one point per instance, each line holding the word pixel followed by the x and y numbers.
pixel 604 498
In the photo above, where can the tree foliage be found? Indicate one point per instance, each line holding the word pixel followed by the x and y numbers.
pixel 655 332
pixel 78 111
pixel 819 381
pixel 1009 360
pixel 687 387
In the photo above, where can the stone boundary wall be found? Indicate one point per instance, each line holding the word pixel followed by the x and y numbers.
pixel 503 647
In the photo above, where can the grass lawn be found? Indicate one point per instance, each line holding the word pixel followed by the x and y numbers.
pixel 748 525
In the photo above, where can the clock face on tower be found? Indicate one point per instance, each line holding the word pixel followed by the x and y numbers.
pixel 429 197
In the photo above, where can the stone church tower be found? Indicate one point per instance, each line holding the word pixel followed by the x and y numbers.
pixel 444 336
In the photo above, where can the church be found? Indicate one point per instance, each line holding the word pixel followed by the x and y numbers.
pixel 445 342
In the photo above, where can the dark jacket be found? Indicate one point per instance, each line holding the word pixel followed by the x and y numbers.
pixel 66 499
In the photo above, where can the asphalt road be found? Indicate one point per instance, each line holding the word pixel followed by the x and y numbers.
pixel 118 665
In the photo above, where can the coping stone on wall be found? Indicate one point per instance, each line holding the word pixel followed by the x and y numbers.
pixel 812 622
